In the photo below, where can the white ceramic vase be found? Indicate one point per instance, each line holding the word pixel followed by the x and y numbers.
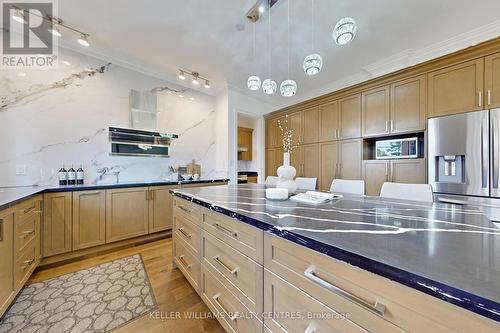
pixel 286 174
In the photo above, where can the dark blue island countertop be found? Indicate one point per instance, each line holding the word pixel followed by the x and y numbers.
pixel 447 251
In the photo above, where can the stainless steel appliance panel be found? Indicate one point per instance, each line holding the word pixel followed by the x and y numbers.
pixel 495 152
pixel 459 154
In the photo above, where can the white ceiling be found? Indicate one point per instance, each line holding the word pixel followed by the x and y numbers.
pixel 160 36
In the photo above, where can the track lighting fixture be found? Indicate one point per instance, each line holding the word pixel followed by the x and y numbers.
pixel 196 77
pixel 84 40
pixel 56 24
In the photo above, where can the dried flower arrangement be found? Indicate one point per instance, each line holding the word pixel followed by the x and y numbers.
pixel 286 136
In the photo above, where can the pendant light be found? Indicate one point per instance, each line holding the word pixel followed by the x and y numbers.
pixel 253 82
pixel 288 87
pixel 344 31
pixel 269 86
pixel 313 62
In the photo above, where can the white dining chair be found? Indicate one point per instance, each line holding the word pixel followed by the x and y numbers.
pixel 348 186
pixel 304 183
pixel 414 192
pixel 271 181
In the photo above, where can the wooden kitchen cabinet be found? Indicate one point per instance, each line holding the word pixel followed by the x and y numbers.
pixel 456 89
pixel 89 219
pixel 310 126
pixel 328 121
pixel 305 160
pixel 377 172
pixel 410 171
pixel 350 156
pixel 127 213
pixel 408 105
pixel 328 163
pixel 160 208
pixel 350 117
pixel 376 113
pixel 245 141
pixel 274 159
pixel 273 139
pixel 57 223
pixel 7 291
pixel 492 80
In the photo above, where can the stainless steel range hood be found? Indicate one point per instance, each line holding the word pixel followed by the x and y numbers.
pixel 132 142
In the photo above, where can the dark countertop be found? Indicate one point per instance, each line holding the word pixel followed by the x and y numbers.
pixel 447 251
pixel 12 195
pixel 248 173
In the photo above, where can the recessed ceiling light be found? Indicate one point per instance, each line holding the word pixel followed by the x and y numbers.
pixel 344 31
pixel 66 62
pixel 191 98
pixel 55 30
pixel 84 40
pixel 181 95
pixel 262 9
pixel 18 16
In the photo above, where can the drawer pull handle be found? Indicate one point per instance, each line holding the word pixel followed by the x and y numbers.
pixel 185 209
pixel 38 212
pixel 184 233
pixel 29 209
pixel 226 230
pixel 183 262
pixel 378 308
pixel 216 300
pixel 233 271
pixel 27 263
pixel 25 234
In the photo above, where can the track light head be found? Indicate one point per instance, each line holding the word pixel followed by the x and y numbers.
pixel 182 76
pixel 18 16
pixel 207 84
pixel 84 40
pixel 195 78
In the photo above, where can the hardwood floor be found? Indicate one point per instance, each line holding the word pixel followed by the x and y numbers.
pixel 172 291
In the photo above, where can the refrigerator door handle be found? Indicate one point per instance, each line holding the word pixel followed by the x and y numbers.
pixel 484 156
pixel 494 152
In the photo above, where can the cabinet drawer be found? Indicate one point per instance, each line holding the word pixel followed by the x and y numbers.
pixel 25 263
pixel 301 312
pixel 189 232
pixel 26 232
pixel 361 294
pixel 245 238
pixel 28 207
pixel 241 275
pixel 187 263
pixel 187 210
pixel 232 314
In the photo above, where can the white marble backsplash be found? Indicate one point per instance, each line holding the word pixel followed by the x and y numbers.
pixel 61 116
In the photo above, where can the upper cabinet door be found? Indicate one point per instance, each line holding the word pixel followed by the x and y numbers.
pixel 492 81
pixel 456 89
pixel 328 121
pixel 272 135
pixel 350 117
pixel 295 123
pixel 408 105
pixel 310 125
pixel 375 111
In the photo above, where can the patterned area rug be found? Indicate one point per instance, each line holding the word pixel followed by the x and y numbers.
pixel 97 299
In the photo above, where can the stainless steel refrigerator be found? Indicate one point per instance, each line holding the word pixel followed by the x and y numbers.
pixel 464 159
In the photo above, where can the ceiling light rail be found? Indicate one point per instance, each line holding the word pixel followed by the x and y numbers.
pixel 195 77
pixel 55 24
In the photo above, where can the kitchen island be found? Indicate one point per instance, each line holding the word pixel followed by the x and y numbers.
pixel 449 252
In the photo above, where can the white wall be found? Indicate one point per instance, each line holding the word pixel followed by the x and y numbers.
pixel 61 115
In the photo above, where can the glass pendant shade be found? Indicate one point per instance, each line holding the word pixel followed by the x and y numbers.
pixel 313 64
pixel 288 88
pixel 344 31
pixel 253 82
pixel 269 86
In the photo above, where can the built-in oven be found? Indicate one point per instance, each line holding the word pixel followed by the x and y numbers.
pixel 397 148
